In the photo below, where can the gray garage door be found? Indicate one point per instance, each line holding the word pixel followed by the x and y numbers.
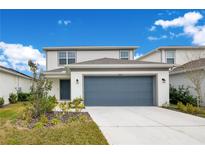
pixel 118 90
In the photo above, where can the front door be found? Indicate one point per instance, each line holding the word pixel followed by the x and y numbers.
pixel 65 89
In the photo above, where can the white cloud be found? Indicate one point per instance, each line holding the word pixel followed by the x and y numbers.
pixel 17 56
pixel 64 22
pixel 137 55
pixel 175 35
pixel 153 28
pixel 189 24
pixel 153 38
pixel 190 18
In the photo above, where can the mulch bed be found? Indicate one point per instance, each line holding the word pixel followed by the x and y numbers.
pixel 64 118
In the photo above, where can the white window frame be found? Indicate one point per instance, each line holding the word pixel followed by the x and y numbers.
pixel 174 57
pixel 66 57
pixel 128 55
pixel 62 57
pixel 74 57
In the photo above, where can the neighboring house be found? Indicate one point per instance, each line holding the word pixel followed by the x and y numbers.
pixel 179 76
pixel 177 55
pixel 12 81
pixel 106 76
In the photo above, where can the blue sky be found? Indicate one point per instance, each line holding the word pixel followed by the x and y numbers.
pixel 23 33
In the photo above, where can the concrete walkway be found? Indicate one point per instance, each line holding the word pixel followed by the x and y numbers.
pixel 148 125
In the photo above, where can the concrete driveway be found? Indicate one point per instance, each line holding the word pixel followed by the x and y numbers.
pixel 148 125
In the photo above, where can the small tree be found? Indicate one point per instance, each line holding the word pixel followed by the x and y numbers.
pixel 39 89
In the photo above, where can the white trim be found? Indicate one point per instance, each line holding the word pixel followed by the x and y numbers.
pixel 184 70
pixel 166 57
pixel 120 66
pixel 125 58
pixel 90 48
pixel 17 74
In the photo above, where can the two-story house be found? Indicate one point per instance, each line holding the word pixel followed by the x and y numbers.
pixel 106 76
pixel 177 55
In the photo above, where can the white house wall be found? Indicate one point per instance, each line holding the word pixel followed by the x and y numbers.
pixel 153 57
pixel 52 56
pixel 55 88
pixel 177 80
pixel 182 56
pixel 162 91
pixel 9 83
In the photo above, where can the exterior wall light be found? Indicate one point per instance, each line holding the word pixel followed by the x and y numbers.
pixel 163 80
pixel 77 81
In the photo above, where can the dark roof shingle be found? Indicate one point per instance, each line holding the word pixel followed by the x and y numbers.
pixel 192 65
pixel 14 71
pixel 115 61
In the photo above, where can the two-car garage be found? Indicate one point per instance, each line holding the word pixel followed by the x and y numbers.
pixel 114 82
pixel 119 90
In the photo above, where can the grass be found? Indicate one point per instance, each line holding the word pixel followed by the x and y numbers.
pixel 200 113
pixel 75 132
pixel 10 112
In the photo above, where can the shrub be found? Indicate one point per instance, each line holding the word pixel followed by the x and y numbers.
pixel 63 107
pixel 1 101
pixel 27 113
pixel 38 125
pixel 23 96
pixel 181 107
pixel 12 98
pixel 43 119
pixel 55 121
pixel 47 104
pixel 182 95
pixel 77 104
pixel 192 109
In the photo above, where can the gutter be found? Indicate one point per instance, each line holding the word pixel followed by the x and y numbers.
pixel 121 66
pixel 184 71
pixel 89 48
pixel 17 74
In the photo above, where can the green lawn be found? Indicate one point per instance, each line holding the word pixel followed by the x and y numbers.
pixel 75 132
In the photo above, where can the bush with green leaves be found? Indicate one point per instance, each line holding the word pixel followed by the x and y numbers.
pixel 47 104
pixel 13 98
pixel 1 101
pixel 181 107
pixel 39 125
pixel 64 107
pixel 43 119
pixel 192 109
pixel 22 97
pixel 182 95
pixel 55 121
pixel 77 104
pixel 188 108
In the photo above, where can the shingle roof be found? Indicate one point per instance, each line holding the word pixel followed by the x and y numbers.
pixel 14 71
pixel 192 64
pixel 115 61
pixel 57 70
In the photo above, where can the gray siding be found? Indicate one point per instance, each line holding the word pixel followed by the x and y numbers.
pixel 118 90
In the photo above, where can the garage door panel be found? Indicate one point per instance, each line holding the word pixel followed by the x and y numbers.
pixel 118 90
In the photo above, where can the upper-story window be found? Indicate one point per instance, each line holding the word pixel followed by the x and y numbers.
pixel 66 57
pixel 71 57
pixel 124 54
pixel 170 57
pixel 62 58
